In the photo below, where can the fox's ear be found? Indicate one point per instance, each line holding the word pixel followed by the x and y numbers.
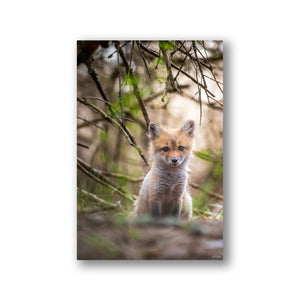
pixel 154 130
pixel 188 128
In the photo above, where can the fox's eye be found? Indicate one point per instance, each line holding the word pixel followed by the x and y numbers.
pixel 165 149
pixel 181 148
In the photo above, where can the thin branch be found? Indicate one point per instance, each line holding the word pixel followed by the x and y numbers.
pixel 131 54
pixel 95 78
pixel 201 72
pixel 89 122
pixel 82 145
pixel 111 55
pixel 120 83
pixel 199 97
pixel 214 55
pixel 98 177
pixel 121 126
pixel 97 198
pixel 181 67
pixel 131 118
pixel 135 87
pixel 213 79
pixel 153 53
pixel 96 120
pixel 168 65
pixel 98 99
pixel 211 70
pixel 210 105
pixel 144 60
pixel 152 97
pixel 121 176
pixel 212 194
pixel 186 52
pixel 208 65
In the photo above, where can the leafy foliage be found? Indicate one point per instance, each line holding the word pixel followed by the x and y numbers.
pixel 204 200
pixel 166 45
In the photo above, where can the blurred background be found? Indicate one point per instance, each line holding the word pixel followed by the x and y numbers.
pixel 121 86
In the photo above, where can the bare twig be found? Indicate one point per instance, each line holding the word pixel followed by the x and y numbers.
pixel 211 70
pixel 130 61
pixel 121 176
pixel 168 65
pixel 153 53
pixel 212 194
pixel 215 55
pixel 152 97
pixel 111 55
pixel 201 72
pixel 89 122
pixel 181 66
pixel 97 198
pixel 115 123
pixel 95 78
pixel 98 99
pixel 132 118
pixel 135 87
pixel 144 60
pixel 199 97
pixel 187 52
pixel 119 81
pixel 217 81
pixel 209 66
pixel 96 120
pixel 98 177
pixel 210 105
pixel 82 145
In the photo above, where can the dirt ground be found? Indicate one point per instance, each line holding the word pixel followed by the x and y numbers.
pixel 140 239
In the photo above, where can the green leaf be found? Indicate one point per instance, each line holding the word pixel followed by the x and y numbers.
pixel 166 45
pixel 131 80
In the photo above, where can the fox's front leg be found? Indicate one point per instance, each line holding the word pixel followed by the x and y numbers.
pixel 155 209
pixel 176 209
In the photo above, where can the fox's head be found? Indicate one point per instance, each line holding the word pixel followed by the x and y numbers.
pixel 172 146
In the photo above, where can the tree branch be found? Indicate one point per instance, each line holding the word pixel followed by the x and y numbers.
pixel 135 87
pixel 168 65
pixel 212 194
pixel 143 57
pixel 96 120
pixel 97 198
pixel 98 177
pixel 121 176
pixel 94 76
pixel 91 123
pixel 82 145
pixel 121 126
pixel 153 53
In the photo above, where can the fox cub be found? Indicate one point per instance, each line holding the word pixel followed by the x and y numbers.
pixel 164 189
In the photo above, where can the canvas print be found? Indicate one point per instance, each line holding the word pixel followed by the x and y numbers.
pixel 150 150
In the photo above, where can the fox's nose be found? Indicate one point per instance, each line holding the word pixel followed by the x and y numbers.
pixel 174 160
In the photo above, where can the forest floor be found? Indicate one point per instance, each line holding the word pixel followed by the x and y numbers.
pixel 99 237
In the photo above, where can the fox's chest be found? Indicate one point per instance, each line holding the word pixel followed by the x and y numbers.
pixel 170 189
